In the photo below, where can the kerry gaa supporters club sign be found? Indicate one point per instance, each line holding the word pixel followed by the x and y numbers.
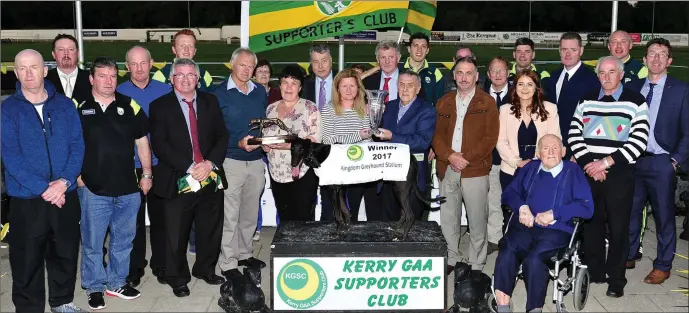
pixel 359 283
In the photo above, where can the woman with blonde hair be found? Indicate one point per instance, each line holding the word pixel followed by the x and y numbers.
pixel 523 121
pixel 294 192
pixel 345 120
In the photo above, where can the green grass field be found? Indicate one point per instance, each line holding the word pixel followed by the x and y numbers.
pixel 354 53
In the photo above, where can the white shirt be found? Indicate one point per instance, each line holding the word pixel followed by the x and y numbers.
pixel 462 105
pixel 392 84
pixel 503 93
pixel 328 88
pixel 251 86
pixel 562 78
pixel 39 109
pixel 72 81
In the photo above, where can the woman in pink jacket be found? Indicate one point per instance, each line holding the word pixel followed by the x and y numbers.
pixel 523 122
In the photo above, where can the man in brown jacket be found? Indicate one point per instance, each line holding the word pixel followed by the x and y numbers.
pixel 465 135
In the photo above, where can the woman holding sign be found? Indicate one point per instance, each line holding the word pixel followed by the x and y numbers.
pixel 345 121
pixel 295 199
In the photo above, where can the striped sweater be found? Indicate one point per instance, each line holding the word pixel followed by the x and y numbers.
pixel 603 126
pixel 342 129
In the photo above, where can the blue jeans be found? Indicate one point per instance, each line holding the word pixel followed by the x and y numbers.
pixel 97 213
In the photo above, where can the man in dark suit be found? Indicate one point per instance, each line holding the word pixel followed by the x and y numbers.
pixel 318 86
pixel 387 56
pixel 67 78
pixel 666 153
pixel 196 150
pixel 409 120
pixel 566 86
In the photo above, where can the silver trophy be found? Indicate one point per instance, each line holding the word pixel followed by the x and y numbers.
pixel 376 107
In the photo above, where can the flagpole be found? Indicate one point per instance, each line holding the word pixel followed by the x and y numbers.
pixel 244 28
pixel 399 39
pixel 340 56
pixel 614 16
pixel 80 34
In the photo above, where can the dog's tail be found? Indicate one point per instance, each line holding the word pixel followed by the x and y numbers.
pixel 426 200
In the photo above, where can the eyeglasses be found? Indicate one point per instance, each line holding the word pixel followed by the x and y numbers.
pixel 499 71
pixel 661 55
pixel 189 76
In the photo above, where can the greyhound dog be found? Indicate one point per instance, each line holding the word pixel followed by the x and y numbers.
pixel 313 154
pixel 243 293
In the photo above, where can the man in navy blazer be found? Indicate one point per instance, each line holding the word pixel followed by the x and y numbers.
pixel 666 153
pixel 410 120
pixel 566 86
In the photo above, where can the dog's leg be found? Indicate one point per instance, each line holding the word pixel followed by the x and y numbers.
pixel 334 193
pixel 402 191
pixel 343 207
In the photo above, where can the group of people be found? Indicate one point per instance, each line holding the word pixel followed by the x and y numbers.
pixel 84 158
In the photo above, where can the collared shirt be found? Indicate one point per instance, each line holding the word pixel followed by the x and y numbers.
pixel 392 84
pixel 653 146
pixel 72 80
pixel 553 171
pixel 328 88
pixel 616 95
pixel 403 109
pixel 462 106
pixel 503 93
pixel 571 72
pixel 409 66
pixel 231 84
pixel 109 138
pixel 185 109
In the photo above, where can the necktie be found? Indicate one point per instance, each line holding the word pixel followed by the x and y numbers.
pixel 68 85
pixel 498 100
pixel 194 129
pixel 649 96
pixel 321 96
pixel 564 85
pixel 387 88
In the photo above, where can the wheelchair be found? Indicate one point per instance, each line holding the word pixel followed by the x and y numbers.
pixel 578 278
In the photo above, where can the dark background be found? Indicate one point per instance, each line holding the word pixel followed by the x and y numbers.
pixel 582 16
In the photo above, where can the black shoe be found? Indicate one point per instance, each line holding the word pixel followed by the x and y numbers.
pixel 252 262
pixel 492 247
pixel 211 279
pixel 181 291
pixel 96 301
pixel 125 292
pixel 233 273
pixel 614 294
pixel 684 235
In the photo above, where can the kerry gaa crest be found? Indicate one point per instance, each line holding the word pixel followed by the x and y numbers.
pixel 330 8
pixel 302 284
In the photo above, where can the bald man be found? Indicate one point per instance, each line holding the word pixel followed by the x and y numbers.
pixel 619 44
pixel 42 153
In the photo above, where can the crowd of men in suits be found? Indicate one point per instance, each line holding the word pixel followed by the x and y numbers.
pixel 180 147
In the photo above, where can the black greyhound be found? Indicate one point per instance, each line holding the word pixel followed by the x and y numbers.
pixel 243 294
pixel 313 154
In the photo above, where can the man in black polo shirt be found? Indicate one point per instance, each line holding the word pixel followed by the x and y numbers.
pixel 108 188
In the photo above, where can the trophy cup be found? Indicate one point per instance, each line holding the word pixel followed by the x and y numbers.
pixel 261 123
pixel 376 107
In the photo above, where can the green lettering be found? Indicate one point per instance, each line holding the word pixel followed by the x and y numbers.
pixel 436 282
pixel 369 266
pixel 392 264
pixel 382 282
pixel 359 267
pixel 372 300
pixel 381 266
pixel 414 283
pixel 424 282
pixel 406 265
pixel 348 266
pixel 428 266
pixel 404 282
pixel 371 282
pixel 393 283
pixel 402 300
pixel 417 266
pixel 338 283
pixel 360 282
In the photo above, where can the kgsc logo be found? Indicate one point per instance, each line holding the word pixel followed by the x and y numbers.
pixel 355 153
pixel 302 284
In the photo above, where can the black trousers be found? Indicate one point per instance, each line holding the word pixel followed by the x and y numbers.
pixel 296 200
pixel 205 208
pixel 612 198
pixel 157 229
pixel 43 236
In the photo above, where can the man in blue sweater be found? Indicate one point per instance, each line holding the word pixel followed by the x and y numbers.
pixel 240 101
pixel 142 89
pixel 42 155
pixel 546 195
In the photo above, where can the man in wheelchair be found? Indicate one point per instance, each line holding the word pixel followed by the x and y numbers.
pixel 546 195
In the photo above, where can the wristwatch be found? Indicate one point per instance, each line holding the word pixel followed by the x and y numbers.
pixel 67 182
pixel 147 176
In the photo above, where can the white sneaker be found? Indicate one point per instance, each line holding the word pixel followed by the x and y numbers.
pixel 257 235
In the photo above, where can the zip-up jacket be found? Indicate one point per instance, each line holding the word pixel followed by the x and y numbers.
pixel 35 152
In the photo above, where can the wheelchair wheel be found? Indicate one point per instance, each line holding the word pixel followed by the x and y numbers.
pixel 581 288
pixel 492 303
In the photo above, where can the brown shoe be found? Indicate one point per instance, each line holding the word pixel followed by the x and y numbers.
pixel 656 277
pixel 630 264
